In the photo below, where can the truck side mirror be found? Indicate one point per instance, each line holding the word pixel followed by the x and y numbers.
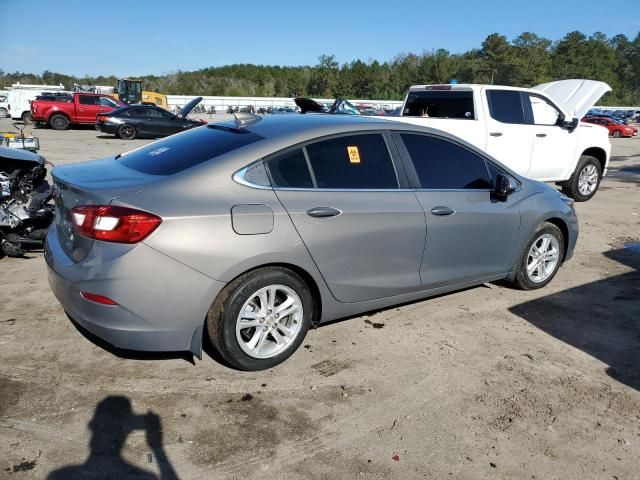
pixel 572 124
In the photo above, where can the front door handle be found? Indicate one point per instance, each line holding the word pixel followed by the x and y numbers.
pixel 496 134
pixel 322 212
pixel 541 135
pixel 442 211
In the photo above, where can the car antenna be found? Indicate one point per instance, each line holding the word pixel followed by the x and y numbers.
pixel 245 118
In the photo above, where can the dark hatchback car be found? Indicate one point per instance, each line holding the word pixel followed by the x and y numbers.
pixel 146 121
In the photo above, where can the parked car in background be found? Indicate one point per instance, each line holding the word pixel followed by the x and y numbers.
pixel 147 121
pixel 61 110
pixel 536 131
pixel 268 225
pixel 615 127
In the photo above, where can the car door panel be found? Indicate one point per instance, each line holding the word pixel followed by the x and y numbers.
pixel 372 249
pixel 477 241
pixel 471 234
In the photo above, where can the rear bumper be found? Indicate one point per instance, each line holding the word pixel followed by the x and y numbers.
pixel 107 128
pixel 162 304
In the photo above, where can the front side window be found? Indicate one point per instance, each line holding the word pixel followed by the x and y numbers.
pixel 443 165
pixel 107 102
pixel 290 170
pixel 352 162
pixel 89 100
pixel 506 106
pixel 543 112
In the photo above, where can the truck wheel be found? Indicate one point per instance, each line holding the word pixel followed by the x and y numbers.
pixel 585 180
pixel 4 113
pixel 127 132
pixel 27 117
pixel 59 122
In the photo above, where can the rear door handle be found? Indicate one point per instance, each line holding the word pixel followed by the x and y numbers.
pixel 541 135
pixel 496 134
pixel 322 212
pixel 442 211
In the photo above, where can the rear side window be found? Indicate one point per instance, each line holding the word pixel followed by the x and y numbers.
pixel 440 104
pixel 442 165
pixel 352 162
pixel 506 106
pixel 89 100
pixel 179 152
pixel 290 170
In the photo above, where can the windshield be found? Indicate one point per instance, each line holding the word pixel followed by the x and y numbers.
pixel 179 152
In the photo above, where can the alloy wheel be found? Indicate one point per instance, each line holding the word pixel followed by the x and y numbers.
pixel 588 180
pixel 269 321
pixel 543 258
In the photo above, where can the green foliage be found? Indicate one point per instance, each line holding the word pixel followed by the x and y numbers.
pixel 526 60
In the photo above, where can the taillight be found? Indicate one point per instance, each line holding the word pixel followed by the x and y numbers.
pixel 102 118
pixel 114 224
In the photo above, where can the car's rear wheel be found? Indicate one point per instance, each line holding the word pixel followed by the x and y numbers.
pixel 541 258
pixel 260 318
pixel 617 133
pixel 127 132
pixel 27 117
pixel 59 122
pixel 4 113
pixel 585 180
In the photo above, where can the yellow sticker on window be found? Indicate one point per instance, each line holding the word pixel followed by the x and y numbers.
pixel 354 154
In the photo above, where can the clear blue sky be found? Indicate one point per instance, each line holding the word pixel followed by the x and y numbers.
pixel 136 37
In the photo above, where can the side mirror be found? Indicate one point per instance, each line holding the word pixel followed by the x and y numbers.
pixel 572 124
pixel 505 186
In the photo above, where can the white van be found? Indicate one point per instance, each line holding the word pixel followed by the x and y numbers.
pixel 20 96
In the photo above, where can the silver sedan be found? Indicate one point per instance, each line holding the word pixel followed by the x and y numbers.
pixel 254 230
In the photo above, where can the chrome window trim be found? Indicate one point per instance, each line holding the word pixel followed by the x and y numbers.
pixel 238 177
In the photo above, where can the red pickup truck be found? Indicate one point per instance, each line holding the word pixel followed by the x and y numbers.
pixel 61 112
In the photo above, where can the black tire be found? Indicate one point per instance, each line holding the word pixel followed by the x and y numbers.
pixel 617 133
pixel 224 313
pixel 522 279
pixel 127 132
pixel 4 113
pixel 27 118
pixel 572 188
pixel 59 122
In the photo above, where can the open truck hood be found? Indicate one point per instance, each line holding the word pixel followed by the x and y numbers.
pixel 575 96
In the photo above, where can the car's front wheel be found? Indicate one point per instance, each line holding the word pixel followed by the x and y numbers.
pixel 541 258
pixel 617 133
pixel 260 318
pixel 127 132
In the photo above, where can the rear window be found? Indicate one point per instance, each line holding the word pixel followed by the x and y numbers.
pixel 506 106
pixel 179 152
pixel 440 104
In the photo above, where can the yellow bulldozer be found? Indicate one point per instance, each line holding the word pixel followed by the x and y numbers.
pixel 130 92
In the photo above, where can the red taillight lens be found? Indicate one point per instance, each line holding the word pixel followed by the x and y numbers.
pixel 94 297
pixel 114 224
pixel 102 118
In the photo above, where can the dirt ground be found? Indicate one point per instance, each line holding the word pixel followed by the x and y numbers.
pixel 489 382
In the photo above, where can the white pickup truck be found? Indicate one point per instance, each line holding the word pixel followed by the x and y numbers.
pixel 536 132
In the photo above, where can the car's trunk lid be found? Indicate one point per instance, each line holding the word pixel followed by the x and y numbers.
pixel 575 96
pixel 91 183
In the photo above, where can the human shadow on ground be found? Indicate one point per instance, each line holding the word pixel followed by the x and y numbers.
pixel 600 318
pixel 112 422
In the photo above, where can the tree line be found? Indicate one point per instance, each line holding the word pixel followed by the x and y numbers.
pixel 526 60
